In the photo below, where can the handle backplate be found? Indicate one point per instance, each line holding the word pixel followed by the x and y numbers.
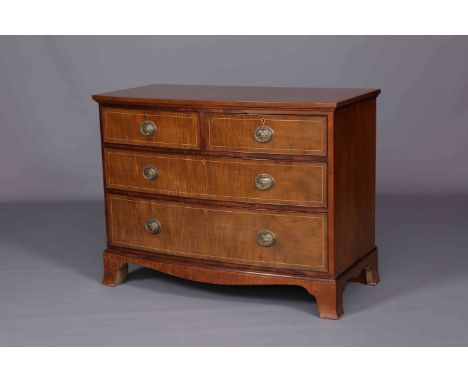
pixel 266 238
pixel 150 172
pixel 264 134
pixel 264 182
pixel 153 226
pixel 148 128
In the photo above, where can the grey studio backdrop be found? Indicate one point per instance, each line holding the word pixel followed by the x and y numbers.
pixel 52 228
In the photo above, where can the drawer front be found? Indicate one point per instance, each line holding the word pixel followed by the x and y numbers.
pixel 246 180
pixel 151 128
pixel 274 134
pixel 232 235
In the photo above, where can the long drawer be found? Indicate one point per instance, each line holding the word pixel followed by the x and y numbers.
pixel 245 180
pixel 151 128
pixel 273 239
pixel 270 134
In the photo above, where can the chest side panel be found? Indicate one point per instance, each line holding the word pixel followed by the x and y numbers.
pixel 354 145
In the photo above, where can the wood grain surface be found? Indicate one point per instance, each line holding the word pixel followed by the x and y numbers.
pixel 354 183
pixel 219 234
pixel 302 184
pixel 292 134
pixel 174 129
pixel 205 97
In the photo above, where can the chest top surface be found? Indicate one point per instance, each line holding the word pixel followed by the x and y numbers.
pixel 237 96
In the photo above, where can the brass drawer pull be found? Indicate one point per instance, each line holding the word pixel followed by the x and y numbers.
pixel 153 226
pixel 264 182
pixel 150 173
pixel 264 134
pixel 148 128
pixel 266 238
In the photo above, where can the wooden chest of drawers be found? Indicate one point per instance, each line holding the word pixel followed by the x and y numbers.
pixel 242 185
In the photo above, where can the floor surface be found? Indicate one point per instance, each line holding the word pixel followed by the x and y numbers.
pixel 50 291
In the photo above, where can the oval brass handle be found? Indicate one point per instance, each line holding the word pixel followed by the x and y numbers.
pixel 150 173
pixel 153 226
pixel 147 128
pixel 266 238
pixel 264 182
pixel 264 134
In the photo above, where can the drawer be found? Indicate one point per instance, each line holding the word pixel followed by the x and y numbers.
pixel 281 240
pixel 245 180
pixel 151 128
pixel 274 134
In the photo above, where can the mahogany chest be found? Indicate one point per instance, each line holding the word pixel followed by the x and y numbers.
pixel 242 186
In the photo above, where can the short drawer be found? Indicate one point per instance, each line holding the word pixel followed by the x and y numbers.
pixel 281 240
pixel 245 180
pixel 274 134
pixel 151 128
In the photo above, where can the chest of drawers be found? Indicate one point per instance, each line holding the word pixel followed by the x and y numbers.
pixel 242 186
